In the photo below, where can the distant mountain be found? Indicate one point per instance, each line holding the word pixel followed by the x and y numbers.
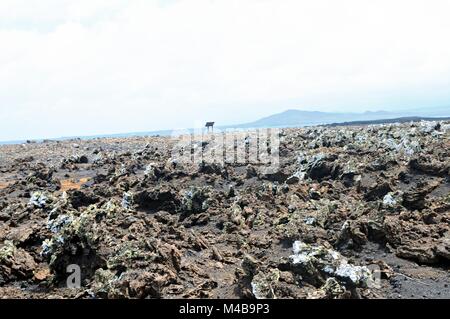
pixel 292 118
pixel 303 118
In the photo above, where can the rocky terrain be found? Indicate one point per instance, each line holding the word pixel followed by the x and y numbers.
pixel 352 212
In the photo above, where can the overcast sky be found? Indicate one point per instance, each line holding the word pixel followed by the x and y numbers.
pixel 82 67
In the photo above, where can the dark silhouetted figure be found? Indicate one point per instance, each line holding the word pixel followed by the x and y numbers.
pixel 210 125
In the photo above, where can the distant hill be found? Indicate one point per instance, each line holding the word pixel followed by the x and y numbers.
pixel 292 118
pixel 302 118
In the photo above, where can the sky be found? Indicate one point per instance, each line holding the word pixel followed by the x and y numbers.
pixel 84 67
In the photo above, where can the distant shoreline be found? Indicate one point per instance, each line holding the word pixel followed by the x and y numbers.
pixel 170 132
pixel 388 121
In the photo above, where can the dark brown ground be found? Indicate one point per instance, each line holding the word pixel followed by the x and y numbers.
pixel 184 234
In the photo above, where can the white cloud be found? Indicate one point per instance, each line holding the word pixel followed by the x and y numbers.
pixel 87 67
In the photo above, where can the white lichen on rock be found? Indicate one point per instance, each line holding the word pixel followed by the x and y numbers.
pixel 7 251
pixel 127 200
pixel 262 284
pixel 326 262
pixel 392 199
pixel 39 199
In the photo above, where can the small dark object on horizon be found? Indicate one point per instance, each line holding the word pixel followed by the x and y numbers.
pixel 210 125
